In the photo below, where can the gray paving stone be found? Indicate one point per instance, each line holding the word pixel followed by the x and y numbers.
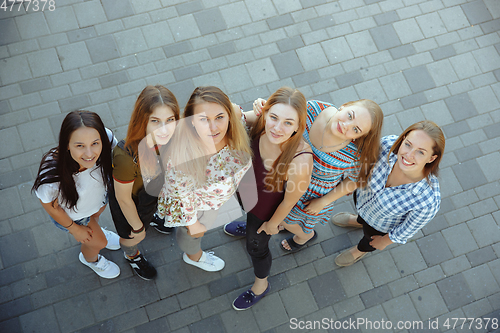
pixel 337 50
pixel 189 7
pixel 368 318
pixel 361 43
pixel 14 178
pixel 177 49
pixel 74 313
pixel 335 244
pixel 15 308
pixel 74 103
pixel 443 52
pixel 108 302
pixel 442 72
pixel 25 101
pixel 456 128
pixel 323 290
pixel 408 31
pixel 280 21
pixel 158 325
pixel 438 223
pixel 481 281
pixel 298 300
pixel 381 268
pixel 469 174
pixel 476 12
pixel 36 134
pixel 81 34
pixel 414 100
pixel 385 37
pixel 487 58
pixel 459 239
pixel 408 259
pixel 28 87
pixel 419 79
pixel 354 279
pixel 483 207
pixel 429 275
pixel 262 71
pixel 116 9
pixel 49 65
pixel 235 14
pixel 130 41
pixel 321 22
pixel 434 249
pixel 431 24
pixel 41 320
pixel 488 190
pixel 484 99
pixel 287 64
pixel 349 79
pixel 455 291
pixel 428 302
pixel 212 324
pixel 375 296
pixel 481 256
pixel 113 79
pixel 485 230
pixel 15 69
pixel 32 26
pixel 210 21
pixel 9 33
pixel 467 153
pixel 241 321
pixel 264 312
pixel 89 13
pixel 401 309
pixel 102 49
pixel 456 265
pixel 402 51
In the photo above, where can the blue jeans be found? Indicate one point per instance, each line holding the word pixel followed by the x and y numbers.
pixel 83 221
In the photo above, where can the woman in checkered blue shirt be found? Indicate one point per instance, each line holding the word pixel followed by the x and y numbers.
pixel 402 194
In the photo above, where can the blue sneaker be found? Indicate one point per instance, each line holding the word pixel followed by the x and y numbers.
pixel 248 299
pixel 236 228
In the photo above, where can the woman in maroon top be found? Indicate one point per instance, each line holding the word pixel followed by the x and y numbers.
pixel 282 167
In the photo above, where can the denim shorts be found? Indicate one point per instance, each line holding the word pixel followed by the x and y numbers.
pixel 83 221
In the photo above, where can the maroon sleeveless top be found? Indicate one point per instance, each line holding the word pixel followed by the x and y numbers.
pixel 267 201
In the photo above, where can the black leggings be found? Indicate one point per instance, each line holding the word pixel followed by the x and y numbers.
pixel 368 231
pixel 258 247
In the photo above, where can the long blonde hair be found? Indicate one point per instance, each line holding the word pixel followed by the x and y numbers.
pixel 369 144
pixel 294 98
pixel 188 150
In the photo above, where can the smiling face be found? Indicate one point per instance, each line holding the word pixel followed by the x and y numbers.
pixel 161 124
pixel 415 152
pixel 281 121
pixel 211 120
pixel 351 122
pixel 85 147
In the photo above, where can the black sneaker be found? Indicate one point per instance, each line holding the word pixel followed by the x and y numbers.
pixel 142 267
pixel 158 224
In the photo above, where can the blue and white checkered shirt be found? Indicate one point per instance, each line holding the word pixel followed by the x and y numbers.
pixel 402 210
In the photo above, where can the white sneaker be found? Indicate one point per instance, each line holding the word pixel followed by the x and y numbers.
pixel 112 238
pixel 208 262
pixel 103 267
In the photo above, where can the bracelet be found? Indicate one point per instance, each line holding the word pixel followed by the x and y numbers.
pixel 139 230
pixel 70 225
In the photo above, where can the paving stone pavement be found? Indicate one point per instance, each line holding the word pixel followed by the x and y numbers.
pixel 419 59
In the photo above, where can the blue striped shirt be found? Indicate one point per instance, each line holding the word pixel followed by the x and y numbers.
pixel 401 210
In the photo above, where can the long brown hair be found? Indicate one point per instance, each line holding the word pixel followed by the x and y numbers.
pixel 188 150
pixel 293 97
pixel 57 165
pixel 436 134
pixel 150 98
pixel 369 144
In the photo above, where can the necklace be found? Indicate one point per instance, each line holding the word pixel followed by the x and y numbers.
pixel 323 136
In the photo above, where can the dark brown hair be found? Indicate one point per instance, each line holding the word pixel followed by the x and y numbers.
pixel 57 165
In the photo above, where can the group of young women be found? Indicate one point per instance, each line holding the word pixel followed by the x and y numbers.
pixel 178 170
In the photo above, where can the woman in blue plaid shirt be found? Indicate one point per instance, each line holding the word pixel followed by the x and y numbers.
pixel 402 194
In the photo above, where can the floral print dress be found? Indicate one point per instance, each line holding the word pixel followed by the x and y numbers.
pixel 180 198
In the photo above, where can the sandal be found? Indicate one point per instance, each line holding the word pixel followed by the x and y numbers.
pixel 294 246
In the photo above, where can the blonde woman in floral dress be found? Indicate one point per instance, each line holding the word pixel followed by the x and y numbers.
pixel 208 157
